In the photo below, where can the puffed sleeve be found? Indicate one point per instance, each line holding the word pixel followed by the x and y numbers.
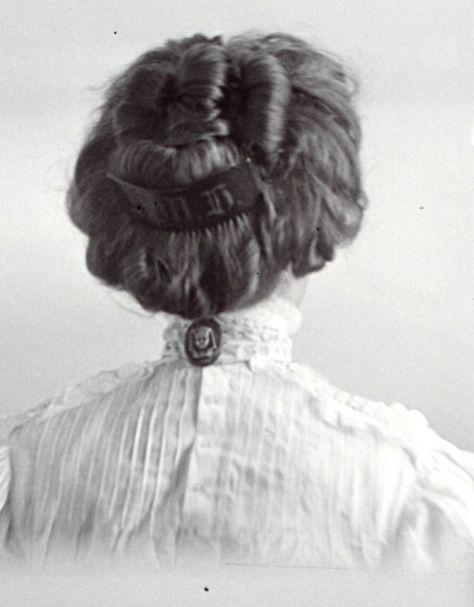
pixel 4 475
pixel 437 528
pixel 5 428
pixel 7 424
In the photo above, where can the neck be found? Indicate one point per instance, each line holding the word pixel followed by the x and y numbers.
pixel 291 288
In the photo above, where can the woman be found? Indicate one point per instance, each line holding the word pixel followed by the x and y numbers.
pixel 217 177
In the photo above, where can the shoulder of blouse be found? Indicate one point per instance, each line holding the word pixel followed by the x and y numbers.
pixel 436 525
pixel 338 407
pixel 91 389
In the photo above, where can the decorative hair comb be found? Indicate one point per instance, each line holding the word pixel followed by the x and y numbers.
pixel 200 205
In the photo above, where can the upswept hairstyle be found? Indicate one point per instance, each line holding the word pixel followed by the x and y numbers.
pixel 195 107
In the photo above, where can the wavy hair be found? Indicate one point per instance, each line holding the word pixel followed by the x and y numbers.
pixel 195 107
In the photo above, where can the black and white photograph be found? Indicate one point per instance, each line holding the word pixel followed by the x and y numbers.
pixel 237 303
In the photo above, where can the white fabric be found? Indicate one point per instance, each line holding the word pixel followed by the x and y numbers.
pixel 253 459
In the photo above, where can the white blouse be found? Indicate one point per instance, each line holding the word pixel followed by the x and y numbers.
pixel 251 459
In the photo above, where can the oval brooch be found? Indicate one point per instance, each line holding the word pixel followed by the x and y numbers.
pixel 203 342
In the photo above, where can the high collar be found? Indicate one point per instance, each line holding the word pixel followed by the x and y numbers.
pixel 261 332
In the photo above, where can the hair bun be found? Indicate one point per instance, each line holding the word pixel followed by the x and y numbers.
pixel 176 103
pixel 266 94
pixel 189 110
pixel 138 115
pixel 201 76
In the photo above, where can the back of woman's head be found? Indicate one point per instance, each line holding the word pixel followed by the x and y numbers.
pixel 195 108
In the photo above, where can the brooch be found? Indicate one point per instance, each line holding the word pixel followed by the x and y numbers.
pixel 203 342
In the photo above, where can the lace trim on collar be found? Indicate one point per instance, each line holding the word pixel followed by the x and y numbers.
pixel 261 331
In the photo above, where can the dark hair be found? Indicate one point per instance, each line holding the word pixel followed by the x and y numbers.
pixel 194 107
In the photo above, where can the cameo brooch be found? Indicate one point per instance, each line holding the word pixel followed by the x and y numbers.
pixel 203 342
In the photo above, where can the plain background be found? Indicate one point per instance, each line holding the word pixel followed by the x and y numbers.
pixel 242 587
pixel 391 319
